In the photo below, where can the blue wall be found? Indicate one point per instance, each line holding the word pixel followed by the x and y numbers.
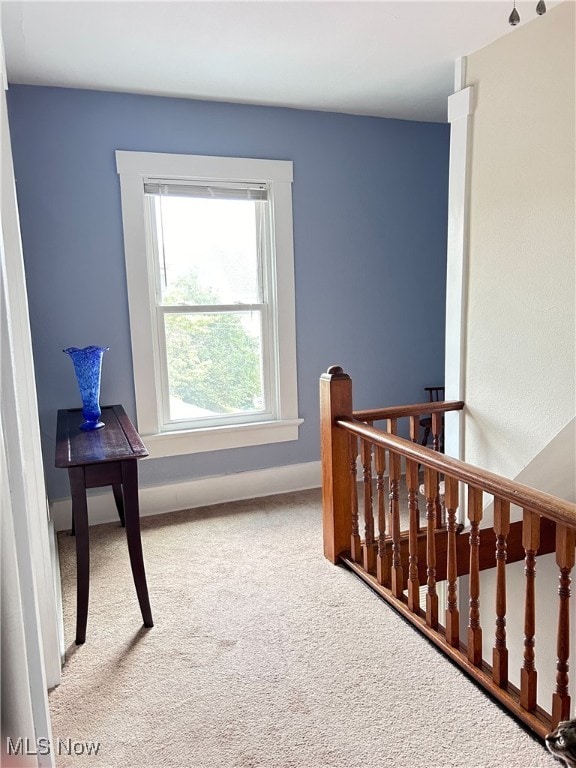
pixel 370 213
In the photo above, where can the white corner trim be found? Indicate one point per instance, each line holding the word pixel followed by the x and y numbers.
pixel 155 500
pixel 461 104
pixel 460 73
pixel 460 110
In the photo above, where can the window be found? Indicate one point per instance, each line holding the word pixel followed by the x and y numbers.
pixel 209 261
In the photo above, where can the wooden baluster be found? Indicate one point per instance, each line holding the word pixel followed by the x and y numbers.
pixel 440 507
pixel 414 527
pixel 397 573
pixel 369 548
pixel 415 429
pixel 474 628
pixel 382 564
pixel 431 489
pixel 500 651
pixel 452 612
pixel 335 402
pixel 355 542
pixel 565 545
pixel 528 675
pixel 436 430
pixel 415 437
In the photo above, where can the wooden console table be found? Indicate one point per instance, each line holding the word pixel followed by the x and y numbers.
pixel 106 456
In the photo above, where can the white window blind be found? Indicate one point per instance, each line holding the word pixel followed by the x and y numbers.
pixel 205 190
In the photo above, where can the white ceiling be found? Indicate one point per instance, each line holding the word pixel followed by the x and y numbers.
pixel 390 59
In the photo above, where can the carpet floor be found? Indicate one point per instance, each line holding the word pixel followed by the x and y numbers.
pixel 262 654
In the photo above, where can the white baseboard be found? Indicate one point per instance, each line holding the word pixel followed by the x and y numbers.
pixel 196 493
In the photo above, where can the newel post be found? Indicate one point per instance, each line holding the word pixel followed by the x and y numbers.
pixel 335 402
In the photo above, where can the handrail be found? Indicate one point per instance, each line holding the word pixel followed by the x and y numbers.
pixel 400 411
pixel 559 510
pixel 364 530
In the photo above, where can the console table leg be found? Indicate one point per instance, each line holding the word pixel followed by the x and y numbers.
pixel 132 519
pixel 80 519
pixel 119 499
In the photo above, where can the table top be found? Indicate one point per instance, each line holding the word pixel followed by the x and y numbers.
pixel 117 440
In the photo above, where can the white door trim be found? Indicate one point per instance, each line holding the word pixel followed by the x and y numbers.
pixel 32 602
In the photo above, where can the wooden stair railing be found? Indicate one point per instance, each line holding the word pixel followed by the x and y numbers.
pixel 397 563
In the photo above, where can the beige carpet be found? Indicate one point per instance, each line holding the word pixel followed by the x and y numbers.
pixel 263 654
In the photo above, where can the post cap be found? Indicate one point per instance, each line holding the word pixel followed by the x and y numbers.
pixel 335 372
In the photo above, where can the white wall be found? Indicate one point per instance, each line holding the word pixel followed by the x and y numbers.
pixel 520 325
pixel 519 331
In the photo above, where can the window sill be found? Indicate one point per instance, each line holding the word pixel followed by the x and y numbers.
pixel 220 438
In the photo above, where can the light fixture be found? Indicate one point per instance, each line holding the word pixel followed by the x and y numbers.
pixel 514 17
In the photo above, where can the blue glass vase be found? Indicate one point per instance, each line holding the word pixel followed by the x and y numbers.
pixel 88 368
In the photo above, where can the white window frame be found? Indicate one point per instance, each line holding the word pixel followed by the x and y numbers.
pixel 134 168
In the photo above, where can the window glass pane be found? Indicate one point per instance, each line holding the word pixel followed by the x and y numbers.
pixel 214 364
pixel 208 250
